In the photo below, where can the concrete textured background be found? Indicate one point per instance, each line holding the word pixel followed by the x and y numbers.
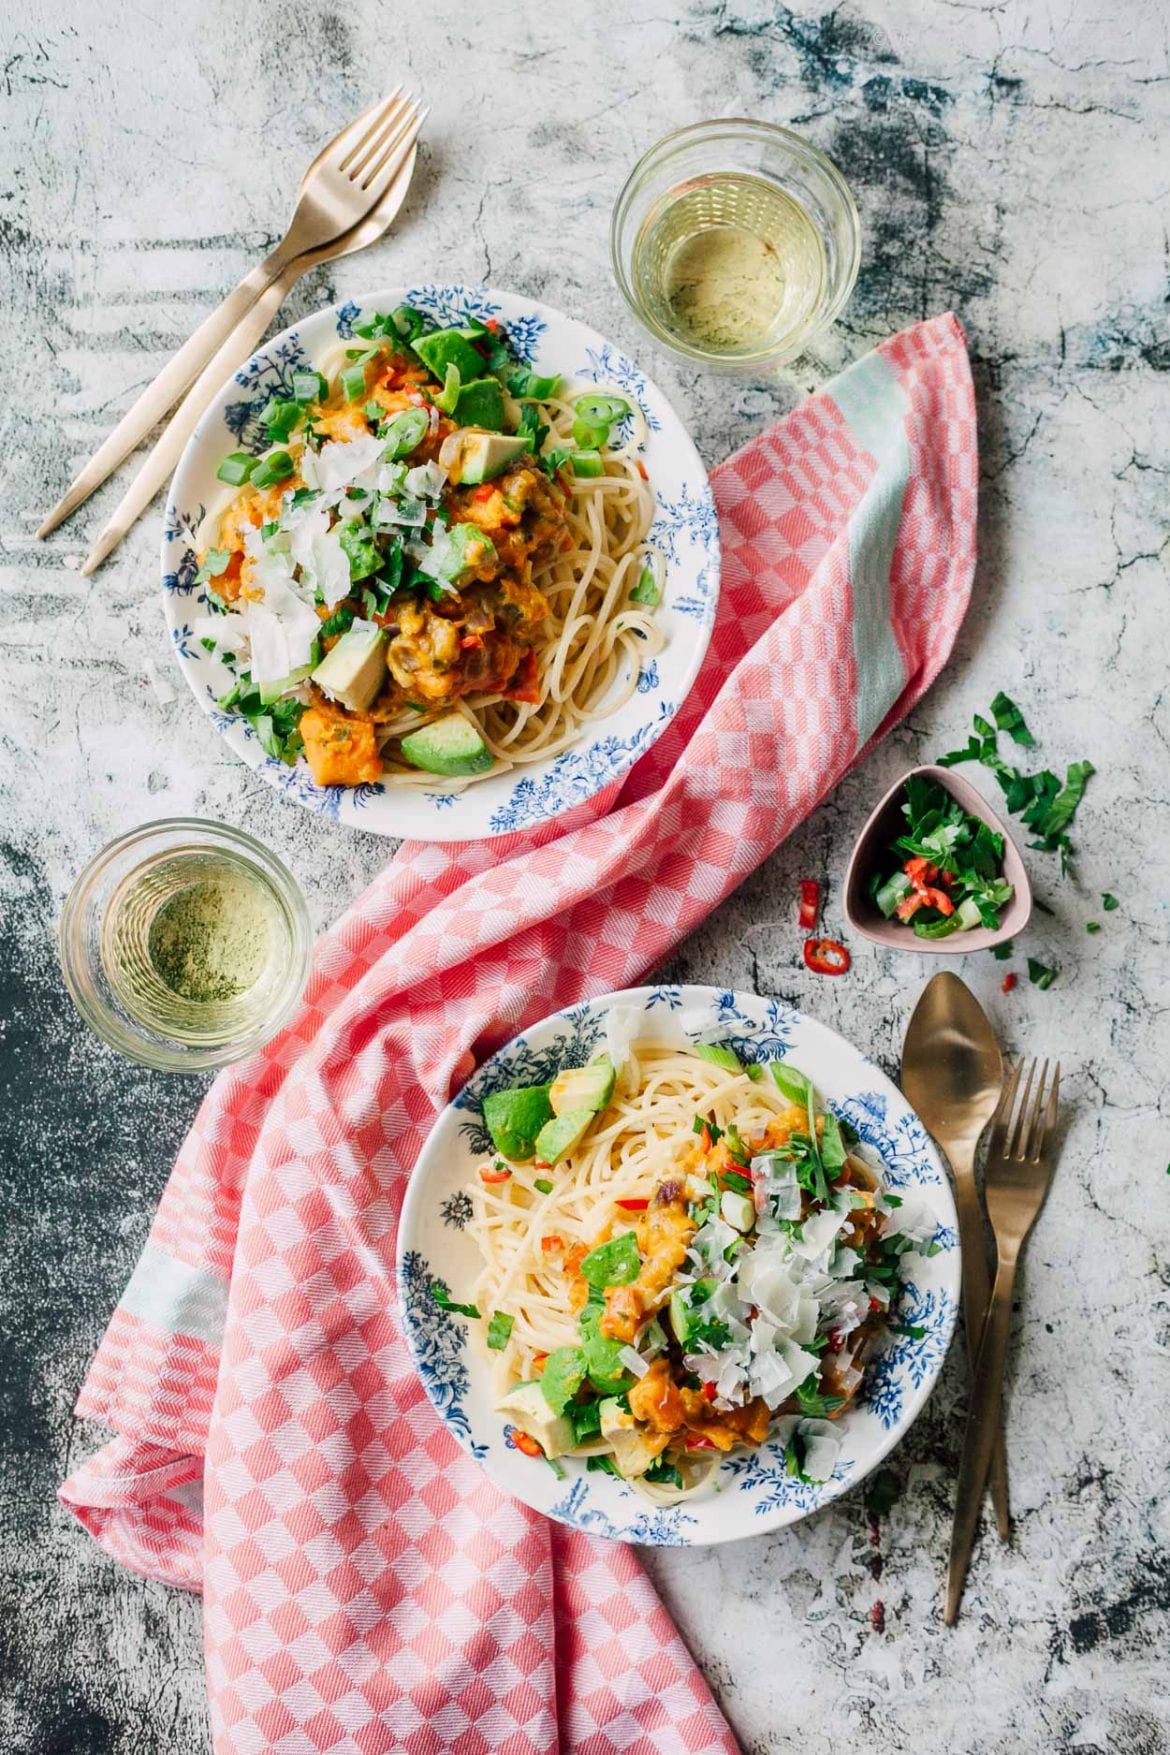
pixel 1010 162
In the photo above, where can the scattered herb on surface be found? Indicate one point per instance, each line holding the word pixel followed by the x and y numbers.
pixel 1040 974
pixel 1109 903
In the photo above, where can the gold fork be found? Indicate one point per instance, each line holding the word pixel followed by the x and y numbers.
pixel 344 183
pixel 1016 1179
pixel 160 463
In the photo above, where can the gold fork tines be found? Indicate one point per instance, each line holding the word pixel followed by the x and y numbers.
pixel 344 184
pixel 1016 1179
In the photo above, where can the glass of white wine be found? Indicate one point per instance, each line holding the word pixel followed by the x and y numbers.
pixel 735 242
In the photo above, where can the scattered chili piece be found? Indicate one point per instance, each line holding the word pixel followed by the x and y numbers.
pixel 642 470
pixel 524 1443
pixel 493 1176
pixel 1008 982
pixel 826 956
pixel 937 899
pixel 552 1243
pixel 484 491
pixel 539 1361
pixel 633 1206
pixel 709 1391
pixel 705 1139
pixel 810 902
pixel 877 1616
pixel 696 1441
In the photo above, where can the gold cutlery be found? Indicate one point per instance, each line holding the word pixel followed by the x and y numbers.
pixel 952 1075
pixel 341 187
pixel 1016 1179
pixel 161 462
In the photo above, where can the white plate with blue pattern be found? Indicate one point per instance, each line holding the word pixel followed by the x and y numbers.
pixel 685 531
pixel 752 1491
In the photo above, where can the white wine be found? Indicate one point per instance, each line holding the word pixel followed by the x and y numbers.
pixel 731 263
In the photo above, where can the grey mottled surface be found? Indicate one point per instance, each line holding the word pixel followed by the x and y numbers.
pixel 1010 161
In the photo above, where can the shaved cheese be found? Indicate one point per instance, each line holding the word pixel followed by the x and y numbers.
pixel 819 1231
pixel 281 627
pixel 633 1361
pixel 426 481
pixel 621 1028
pixel 822 1447
pixel 225 630
pixel 339 462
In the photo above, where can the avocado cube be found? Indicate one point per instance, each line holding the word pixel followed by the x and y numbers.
pixel 354 670
pixel 480 404
pixel 583 1087
pixel 480 457
pixel 634 1447
pixel 526 1407
pixel 557 1137
pixel 449 347
pixel 514 1118
pixel 450 745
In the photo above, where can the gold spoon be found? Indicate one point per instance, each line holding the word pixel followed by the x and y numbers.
pixel 952 1075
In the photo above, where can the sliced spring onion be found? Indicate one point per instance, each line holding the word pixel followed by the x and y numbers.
pixel 599 408
pixel 309 386
pixel 280 416
pixel 646 590
pixel 236 468
pixel 587 463
pixel 404 431
pixel 277 466
pixel 893 891
pixel 353 383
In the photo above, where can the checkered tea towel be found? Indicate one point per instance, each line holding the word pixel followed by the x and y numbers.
pixel 366 1588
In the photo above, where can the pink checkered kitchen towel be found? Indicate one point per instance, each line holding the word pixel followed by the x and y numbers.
pixel 366 1588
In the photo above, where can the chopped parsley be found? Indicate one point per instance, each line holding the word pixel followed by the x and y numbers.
pixel 1040 974
pixel 1040 800
pixel 499 1331
pixel 1109 903
pixel 445 1301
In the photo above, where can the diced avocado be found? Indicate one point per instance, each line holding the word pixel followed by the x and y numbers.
pixel 562 1377
pixel 583 1087
pixel 607 1374
pixel 526 1407
pixel 634 1449
pixel 680 1318
pixel 558 1136
pixel 481 457
pixel 272 691
pixel 514 1118
pixel 450 745
pixel 354 670
pixel 480 404
pixel 449 347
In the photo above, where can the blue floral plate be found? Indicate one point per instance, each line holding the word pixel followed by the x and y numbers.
pixel 685 531
pixel 751 1492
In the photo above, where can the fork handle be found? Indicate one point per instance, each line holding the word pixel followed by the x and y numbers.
pixel 160 464
pixel 166 389
pixel 976 1296
pixel 983 1423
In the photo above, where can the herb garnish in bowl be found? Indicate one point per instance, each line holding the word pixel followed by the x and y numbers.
pixel 945 872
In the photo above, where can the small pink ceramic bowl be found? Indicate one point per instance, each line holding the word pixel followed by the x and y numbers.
pixel 871 851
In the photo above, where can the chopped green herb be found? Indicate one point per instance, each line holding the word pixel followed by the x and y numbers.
pixel 543 1185
pixel 1009 718
pixel 563 1375
pixel 1092 926
pixel 603 1465
pixel 663 1473
pixel 1040 974
pixel 499 1331
pixel 445 1302
pixel 1001 953
pixel 1109 903
pixel 646 590
pixel 586 1418
pixel 276 467
pixel 309 386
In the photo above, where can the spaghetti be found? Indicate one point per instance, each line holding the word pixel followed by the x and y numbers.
pixel 706 1265
pixel 475 548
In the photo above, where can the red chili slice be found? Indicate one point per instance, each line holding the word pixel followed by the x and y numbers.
pixel 810 902
pixel 826 956
pixel 705 1138
pixel 938 899
pixel 1008 982
pixel 696 1441
pixel 633 1206
pixel 521 1440
pixel 492 1176
pixel 709 1391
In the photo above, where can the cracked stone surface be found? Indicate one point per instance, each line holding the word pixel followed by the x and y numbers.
pixel 1009 162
